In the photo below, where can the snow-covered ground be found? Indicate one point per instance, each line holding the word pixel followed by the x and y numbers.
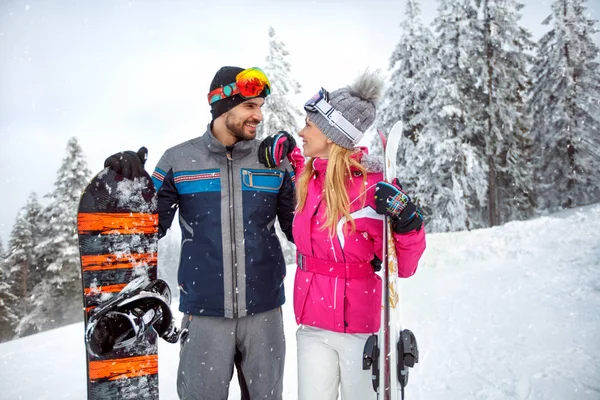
pixel 511 312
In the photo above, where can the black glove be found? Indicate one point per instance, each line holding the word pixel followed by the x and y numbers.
pixel 376 263
pixel 128 164
pixel 273 149
pixel 409 220
pixel 391 200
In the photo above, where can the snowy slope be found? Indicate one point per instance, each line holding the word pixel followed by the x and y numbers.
pixel 511 312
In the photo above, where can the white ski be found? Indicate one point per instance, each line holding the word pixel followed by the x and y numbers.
pixel 391 352
pixel 389 332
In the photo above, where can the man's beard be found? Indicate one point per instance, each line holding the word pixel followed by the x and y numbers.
pixel 237 128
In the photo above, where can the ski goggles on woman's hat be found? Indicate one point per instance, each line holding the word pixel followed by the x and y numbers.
pixel 320 103
pixel 249 83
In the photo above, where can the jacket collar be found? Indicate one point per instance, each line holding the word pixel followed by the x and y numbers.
pixel 320 164
pixel 241 148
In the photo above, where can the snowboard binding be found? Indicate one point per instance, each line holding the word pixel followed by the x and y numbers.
pixel 123 321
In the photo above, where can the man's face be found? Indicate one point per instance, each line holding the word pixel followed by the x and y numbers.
pixel 242 120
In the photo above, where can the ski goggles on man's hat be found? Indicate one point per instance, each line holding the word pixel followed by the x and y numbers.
pixel 320 103
pixel 249 83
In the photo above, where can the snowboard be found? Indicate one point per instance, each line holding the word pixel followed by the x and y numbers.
pixel 118 243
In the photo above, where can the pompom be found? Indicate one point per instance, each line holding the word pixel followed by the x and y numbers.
pixel 368 86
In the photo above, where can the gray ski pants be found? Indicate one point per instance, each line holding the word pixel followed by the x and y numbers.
pixel 207 356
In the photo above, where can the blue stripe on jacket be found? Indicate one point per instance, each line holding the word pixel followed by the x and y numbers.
pixel 188 182
pixel 158 178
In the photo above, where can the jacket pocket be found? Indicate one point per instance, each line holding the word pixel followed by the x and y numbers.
pixel 185 325
pixel 180 269
pixel 264 180
pixel 302 283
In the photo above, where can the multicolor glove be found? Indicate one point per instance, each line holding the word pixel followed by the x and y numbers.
pixel 128 164
pixel 273 149
pixel 391 200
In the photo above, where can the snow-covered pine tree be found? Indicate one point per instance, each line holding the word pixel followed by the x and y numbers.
pixel 408 98
pixel 279 110
pixel 8 316
pixel 57 300
pixel 516 185
pixel 2 255
pixel 408 94
pixel 505 80
pixel 23 270
pixel 452 182
pixel 566 128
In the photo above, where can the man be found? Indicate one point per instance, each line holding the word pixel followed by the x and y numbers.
pixel 232 268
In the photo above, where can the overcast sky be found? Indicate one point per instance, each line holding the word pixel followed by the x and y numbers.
pixel 118 75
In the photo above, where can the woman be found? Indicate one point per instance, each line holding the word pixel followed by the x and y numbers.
pixel 337 231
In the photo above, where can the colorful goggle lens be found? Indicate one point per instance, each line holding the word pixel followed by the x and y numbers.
pixel 311 104
pixel 249 83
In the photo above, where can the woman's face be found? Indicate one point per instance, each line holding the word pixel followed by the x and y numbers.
pixel 314 142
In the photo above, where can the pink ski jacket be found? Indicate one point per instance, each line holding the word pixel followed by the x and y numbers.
pixel 335 287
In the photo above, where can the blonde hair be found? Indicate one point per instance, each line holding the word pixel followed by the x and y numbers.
pixel 337 177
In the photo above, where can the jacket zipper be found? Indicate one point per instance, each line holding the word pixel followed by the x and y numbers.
pixel 232 233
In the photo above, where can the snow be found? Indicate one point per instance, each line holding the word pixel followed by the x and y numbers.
pixel 130 194
pixel 509 312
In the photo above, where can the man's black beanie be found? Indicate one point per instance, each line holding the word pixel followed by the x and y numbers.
pixel 225 76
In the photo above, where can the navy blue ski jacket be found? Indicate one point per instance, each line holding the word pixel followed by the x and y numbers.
pixel 231 261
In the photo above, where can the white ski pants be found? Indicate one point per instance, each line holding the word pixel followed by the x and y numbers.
pixel 331 361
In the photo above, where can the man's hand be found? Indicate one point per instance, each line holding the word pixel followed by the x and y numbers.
pixel 273 149
pixel 128 164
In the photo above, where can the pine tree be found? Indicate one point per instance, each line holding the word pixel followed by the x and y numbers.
pixel 408 93
pixel 566 128
pixel 505 80
pixel 23 271
pixel 408 99
pixel 8 317
pixel 279 110
pixel 2 257
pixel 57 300
pixel 451 184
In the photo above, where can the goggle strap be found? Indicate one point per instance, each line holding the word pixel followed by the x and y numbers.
pixel 324 107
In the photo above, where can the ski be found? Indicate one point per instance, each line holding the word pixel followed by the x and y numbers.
pixel 389 387
pixel 392 351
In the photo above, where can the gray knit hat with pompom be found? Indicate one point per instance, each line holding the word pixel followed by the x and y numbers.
pixel 357 103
